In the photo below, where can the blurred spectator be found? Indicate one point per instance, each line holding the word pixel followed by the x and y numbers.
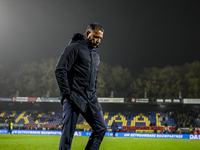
pixel 166 129
pixel 128 115
pixel 196 132
pixel 10 127
pixel 114 128
pixel 177 128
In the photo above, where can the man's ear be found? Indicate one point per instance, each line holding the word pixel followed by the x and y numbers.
pixel 88 33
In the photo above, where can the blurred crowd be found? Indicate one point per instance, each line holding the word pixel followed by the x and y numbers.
pixel 185 118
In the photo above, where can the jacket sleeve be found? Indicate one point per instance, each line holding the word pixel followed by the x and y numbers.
pixel 64 65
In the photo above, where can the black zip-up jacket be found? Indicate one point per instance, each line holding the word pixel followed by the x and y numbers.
pixel 76 73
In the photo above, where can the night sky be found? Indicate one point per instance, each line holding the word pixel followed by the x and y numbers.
pixel 138 33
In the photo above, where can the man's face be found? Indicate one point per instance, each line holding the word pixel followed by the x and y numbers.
pixel 95 37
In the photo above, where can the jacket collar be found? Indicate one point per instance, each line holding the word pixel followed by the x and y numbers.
pixel 89 43
pixel 82 38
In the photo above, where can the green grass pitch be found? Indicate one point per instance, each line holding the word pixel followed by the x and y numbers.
pixel 51 142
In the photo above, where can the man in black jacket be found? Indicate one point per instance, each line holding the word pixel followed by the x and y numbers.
pixel 76 74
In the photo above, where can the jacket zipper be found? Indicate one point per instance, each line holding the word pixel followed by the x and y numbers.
pixel 91 69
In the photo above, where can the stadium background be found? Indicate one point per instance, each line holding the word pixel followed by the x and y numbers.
pixel 135 117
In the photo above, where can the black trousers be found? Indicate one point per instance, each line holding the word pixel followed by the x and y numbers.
pixel 70 116
pixel 114 133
